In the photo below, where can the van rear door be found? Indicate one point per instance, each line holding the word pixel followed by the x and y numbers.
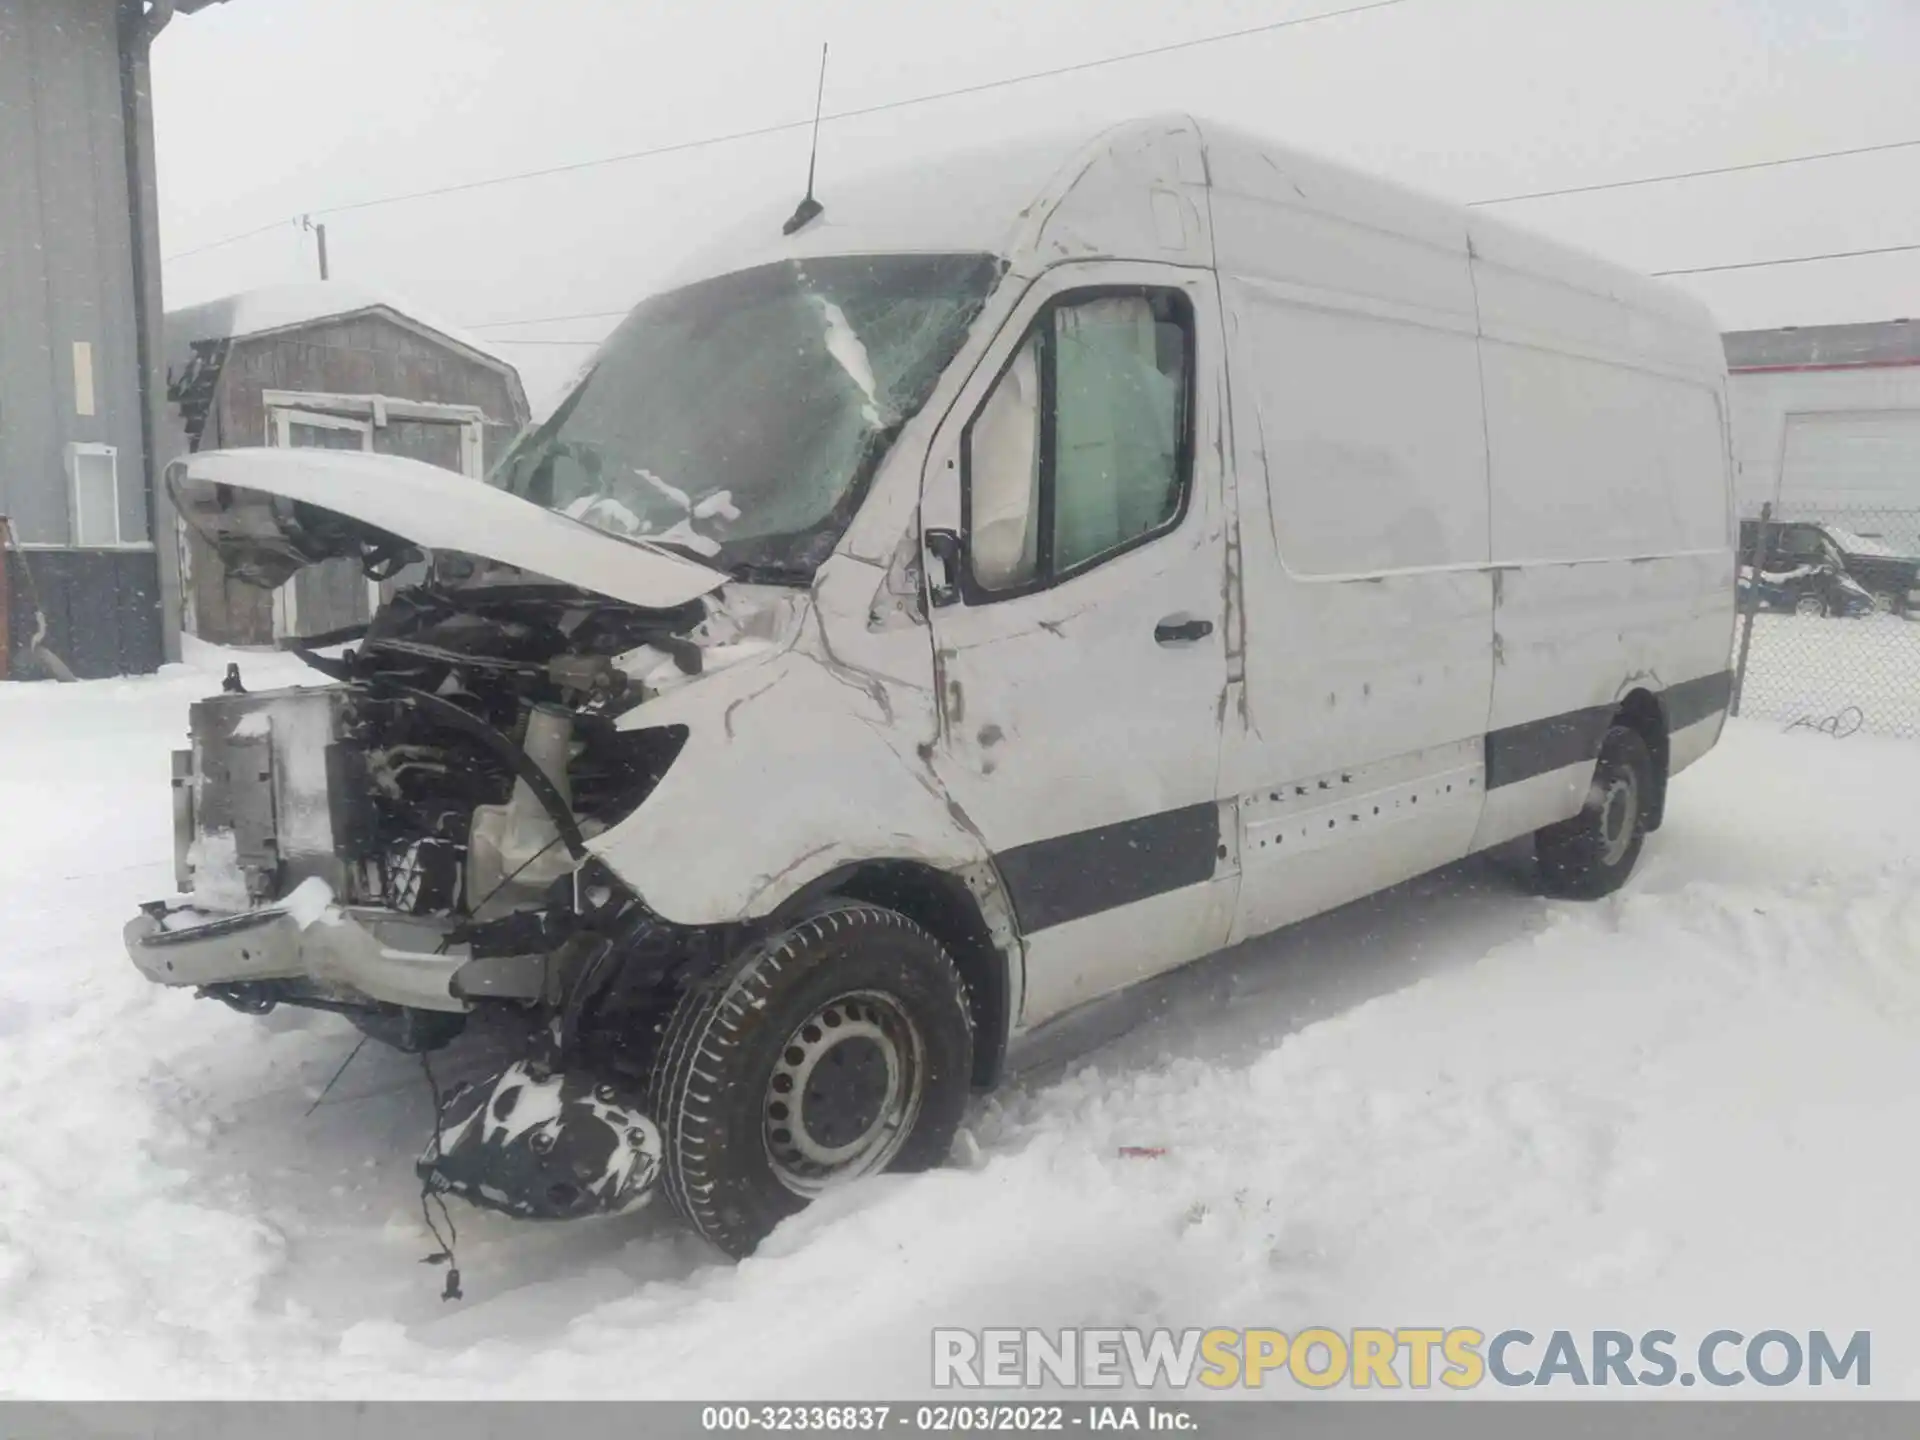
pixel 1073 520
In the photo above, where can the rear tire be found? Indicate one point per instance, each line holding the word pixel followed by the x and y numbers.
pixel 839 1047
pixel 1592 853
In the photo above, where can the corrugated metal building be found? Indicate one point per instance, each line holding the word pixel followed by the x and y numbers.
pixel 1826 418
pixel 81 389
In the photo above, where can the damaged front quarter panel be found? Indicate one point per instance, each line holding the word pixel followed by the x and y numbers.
pixel 793 768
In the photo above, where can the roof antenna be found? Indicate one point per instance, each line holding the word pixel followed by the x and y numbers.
pixel 811 208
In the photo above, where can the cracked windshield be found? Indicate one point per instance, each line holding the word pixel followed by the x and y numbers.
pixel 739 420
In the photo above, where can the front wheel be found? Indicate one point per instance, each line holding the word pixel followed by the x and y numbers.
pixel 1592 853
pixel 836 1048
pixel 1810 605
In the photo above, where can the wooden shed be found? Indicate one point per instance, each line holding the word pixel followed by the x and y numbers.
pixel 330 366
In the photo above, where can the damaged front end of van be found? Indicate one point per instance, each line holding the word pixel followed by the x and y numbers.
pixel 411 842
pixel 530 788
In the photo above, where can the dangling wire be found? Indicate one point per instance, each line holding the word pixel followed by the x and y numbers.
pixel 327 1089
pixel 429 1197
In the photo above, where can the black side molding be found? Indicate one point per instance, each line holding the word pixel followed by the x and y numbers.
pixel 1692 701
pixel 1535 747
pixel 1070 877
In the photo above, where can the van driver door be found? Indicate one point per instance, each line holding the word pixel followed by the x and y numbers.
pixel 1073 521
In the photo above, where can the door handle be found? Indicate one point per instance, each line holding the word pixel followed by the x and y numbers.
pixel 1172 631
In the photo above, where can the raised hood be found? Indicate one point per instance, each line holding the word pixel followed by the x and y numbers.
pixel 270 512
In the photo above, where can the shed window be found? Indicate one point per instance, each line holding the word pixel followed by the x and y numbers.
pixel 94 472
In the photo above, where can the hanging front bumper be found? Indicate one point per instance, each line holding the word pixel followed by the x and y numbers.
pixel 352 954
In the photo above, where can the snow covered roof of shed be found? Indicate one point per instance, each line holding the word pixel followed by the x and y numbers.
pixel 274 308
pixel 198 337
pixel 1824 347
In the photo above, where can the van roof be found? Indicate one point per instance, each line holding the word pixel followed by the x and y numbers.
pixel 1140 188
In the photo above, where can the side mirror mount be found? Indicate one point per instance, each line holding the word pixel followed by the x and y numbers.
pixel 943 589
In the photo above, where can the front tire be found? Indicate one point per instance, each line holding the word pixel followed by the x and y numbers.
pixel 1592 853
pixel 839 1047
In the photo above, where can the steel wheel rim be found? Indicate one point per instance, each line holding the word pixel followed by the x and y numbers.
pixel 845 1092
pixel 1619 814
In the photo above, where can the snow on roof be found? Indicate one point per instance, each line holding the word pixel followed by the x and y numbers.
pixel 1857 544
pixel 958 199
pixel 285 307
pixel 988 198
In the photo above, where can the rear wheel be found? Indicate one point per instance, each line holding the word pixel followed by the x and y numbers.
pixel 1592 853
pixel 1809 605
pixel 837 1048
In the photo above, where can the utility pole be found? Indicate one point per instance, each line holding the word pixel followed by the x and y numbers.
pixel 320 239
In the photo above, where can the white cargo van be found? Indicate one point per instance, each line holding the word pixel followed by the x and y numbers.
pixel 1040 570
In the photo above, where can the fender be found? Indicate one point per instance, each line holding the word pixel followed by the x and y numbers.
pixel 794 767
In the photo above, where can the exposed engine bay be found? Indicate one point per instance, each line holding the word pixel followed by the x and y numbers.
pixel 458 765
pixel 408 844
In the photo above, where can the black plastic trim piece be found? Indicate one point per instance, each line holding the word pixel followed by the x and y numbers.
pixel 1070 877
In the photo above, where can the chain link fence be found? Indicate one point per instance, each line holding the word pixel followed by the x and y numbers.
pixel 1829 631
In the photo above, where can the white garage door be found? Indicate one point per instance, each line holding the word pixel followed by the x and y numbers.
pixel 1858 459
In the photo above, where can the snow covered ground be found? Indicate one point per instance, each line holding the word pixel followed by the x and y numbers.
pixel 1861 673
pixel 1687 1107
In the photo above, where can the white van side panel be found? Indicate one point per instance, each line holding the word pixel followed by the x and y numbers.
pixel 1594 460
pixel 1484 498
pixel 1354 755
pixel 1610 519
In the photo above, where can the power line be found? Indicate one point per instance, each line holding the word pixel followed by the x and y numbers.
pixel 784 126
pixel 1688 270
pixel 1790 260
pixel 547 319
pixel 863 110
pixel 1059 70
pixel 230 240
pixel 1700 174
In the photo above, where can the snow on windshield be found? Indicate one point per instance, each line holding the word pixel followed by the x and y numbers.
pixel 845 347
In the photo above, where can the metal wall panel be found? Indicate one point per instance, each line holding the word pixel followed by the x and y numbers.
pixel 66 262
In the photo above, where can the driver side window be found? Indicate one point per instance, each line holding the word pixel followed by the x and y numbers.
pixel 1083 449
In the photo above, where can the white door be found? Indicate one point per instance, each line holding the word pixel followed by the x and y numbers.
pixel 1072 515
pixel 1867 459
pixel 1358 760
pixel 320 597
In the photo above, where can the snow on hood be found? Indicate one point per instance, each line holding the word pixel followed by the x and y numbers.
pixel 438 509
pixel 1852 543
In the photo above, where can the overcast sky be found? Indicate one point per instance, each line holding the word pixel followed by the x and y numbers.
pixel 269 108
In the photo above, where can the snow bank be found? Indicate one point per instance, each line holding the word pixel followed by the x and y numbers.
pixel 1685 1107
